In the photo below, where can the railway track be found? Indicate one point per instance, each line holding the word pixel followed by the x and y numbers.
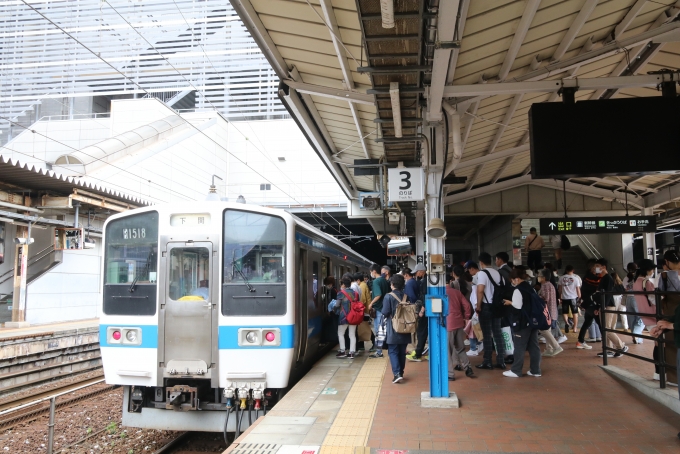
pixel 29 408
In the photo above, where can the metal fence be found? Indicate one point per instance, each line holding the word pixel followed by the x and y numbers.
pixel 661 340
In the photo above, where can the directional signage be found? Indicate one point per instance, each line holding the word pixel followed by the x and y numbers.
pixel 405 184
pixel 603 224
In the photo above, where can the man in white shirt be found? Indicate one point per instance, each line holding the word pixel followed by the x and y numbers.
pixel 490 321
pixel 569 290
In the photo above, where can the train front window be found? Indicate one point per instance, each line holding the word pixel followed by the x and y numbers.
pixel 130 265
pixel 253 248
pixel 189 274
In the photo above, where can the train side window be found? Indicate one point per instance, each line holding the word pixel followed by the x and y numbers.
pixel 130 265
pixel 315 282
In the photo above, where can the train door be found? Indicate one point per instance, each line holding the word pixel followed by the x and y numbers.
pixel 189 306
pixel 302 312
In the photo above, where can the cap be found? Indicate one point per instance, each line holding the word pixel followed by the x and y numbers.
pixel 471 264
pixel 530 273
pixel 419 267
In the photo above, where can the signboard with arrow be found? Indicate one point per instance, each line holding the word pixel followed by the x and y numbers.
pixel 603 224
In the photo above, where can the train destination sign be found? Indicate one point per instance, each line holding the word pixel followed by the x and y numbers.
pixel 602 224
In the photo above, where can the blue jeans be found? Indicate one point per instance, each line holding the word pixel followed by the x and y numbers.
pixel 473 343
pixel 376 325
pixel 397 355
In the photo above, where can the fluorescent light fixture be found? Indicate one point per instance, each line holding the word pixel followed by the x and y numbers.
pixel 387 13
pixel 396 108
pixel 282 158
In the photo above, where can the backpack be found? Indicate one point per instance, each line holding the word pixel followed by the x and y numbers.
pixel 535 315
pixel 356 313
pixel 405 317
pixel 498 294
pixel 566 244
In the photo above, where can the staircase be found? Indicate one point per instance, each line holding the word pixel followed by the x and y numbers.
pixel 38 265
pixel 575 256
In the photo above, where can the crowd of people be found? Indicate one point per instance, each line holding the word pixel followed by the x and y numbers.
pixel 492 311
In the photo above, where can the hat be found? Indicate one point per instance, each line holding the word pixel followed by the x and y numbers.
pixel 419 267
pixel 471 264
pixel 530 273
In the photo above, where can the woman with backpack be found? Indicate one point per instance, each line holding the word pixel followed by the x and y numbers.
pixel 396 342
pixel 524 335
pixel 343 307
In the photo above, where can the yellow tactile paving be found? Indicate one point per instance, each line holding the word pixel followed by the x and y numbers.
pixel 352 425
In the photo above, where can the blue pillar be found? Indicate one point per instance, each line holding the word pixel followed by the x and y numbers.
pixel 439 353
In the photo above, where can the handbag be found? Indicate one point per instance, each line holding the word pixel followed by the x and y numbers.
pixel 364 331
pixel 372 313
pixel 381 334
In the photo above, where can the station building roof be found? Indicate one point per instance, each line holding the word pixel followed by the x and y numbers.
pixel 327 52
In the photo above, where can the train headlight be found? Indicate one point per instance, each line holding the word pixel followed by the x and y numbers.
pixel 131 336
pixel 251 337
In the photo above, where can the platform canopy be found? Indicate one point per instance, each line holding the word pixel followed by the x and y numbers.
pixel 488 60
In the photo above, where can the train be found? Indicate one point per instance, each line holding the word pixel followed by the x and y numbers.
pixel 213 308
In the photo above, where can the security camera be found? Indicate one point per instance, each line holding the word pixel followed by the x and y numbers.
pixel 23 240
pixel 384 240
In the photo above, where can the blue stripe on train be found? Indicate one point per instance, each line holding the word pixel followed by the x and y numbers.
pixel 149 336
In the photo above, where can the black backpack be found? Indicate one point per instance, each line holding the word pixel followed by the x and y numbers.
pixel 566 244
pixel 498 294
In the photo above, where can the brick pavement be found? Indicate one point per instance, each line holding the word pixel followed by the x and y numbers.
pixel 575 407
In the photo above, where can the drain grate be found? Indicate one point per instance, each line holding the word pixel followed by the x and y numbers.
pixel 256 448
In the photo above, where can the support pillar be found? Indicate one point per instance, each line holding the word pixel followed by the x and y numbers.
pixel 649 239
pixel 436 302
pixel 20 271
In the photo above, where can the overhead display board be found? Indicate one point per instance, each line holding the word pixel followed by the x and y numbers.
pixel 406 184
pixel 602 224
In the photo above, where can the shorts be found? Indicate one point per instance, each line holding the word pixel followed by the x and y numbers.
pixel 566 304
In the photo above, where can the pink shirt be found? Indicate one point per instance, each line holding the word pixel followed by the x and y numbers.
pixel 547 292
pixel 644 304
pixel 460 309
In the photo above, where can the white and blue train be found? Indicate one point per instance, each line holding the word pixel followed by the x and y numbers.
pixel 211 306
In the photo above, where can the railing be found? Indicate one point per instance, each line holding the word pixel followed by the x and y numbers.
pixel 661 340
pixel 76 116
pixel 590 246
pixel 31 261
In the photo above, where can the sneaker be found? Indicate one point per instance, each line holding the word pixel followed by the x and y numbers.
pixel 466 342
pixel 609 354
pixel 427 349
pixel 411 355
pixel 397 379
pixel 425 357
pixel 548 353
pixel 590 340
pixel 599 339
pixel 670 383
pixel 377 354
pixel 562 339
pixel 469 372
pixel 351 355
pixel 509 359
pixel 557 352
pixel 341 354
pixel 542 340
pixel 509 373
pixel 619 354
pixel 472 353
pixel 458 368
pixel 533 375
pixel 414 359
pixel 583 346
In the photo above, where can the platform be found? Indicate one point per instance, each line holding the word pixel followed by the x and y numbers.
pixel 340 408
pixel 37 353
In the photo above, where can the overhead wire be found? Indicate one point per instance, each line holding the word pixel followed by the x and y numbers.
pixel 71 170
pixel 89 155
pixel 98 55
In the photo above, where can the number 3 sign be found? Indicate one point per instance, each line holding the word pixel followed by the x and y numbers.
pixel 405 184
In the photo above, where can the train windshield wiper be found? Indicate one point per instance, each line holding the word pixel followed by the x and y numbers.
pixel 245 279
pixel 133 285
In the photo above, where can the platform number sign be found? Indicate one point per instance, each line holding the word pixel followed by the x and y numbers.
pixel 405 184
